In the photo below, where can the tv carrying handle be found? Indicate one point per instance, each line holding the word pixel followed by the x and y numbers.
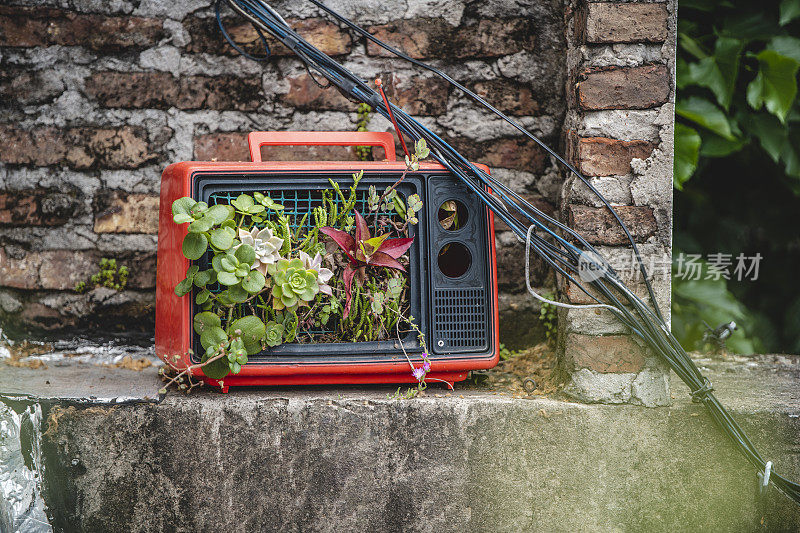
pixel 257 139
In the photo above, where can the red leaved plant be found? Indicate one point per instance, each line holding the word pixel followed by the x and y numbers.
pixel 364 250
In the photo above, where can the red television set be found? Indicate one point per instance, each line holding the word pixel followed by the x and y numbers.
pixel 452 273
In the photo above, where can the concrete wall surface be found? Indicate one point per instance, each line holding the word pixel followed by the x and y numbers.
pixel 337 459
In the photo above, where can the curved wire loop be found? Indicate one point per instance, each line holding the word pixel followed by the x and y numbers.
pixel 235 46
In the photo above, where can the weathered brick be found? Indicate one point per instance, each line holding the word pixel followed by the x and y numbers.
pixel 21 272
pixel 153 90
pixel 119 212
pixel 416 95
pixel 624 88
pixel 608 22
pixel 27 27
pixel 606 354
pixel 36 207
pixel 305 94
pixel 221 147
pixel 79 148
pixel 512 98
pixel 423 38
pixel 598 226
pixel 207 39
pixel 41 317
pixel 159 90
pixel 537 201
pixel 22 86
pixel 575 295
pixel 599 156
pixel 219 92
pixel 658 263
pixel 504 153
pixel 63 269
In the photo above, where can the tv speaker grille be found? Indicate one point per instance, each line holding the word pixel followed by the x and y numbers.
pixel 460 318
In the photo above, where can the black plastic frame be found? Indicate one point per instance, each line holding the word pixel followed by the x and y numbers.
pixel 422 278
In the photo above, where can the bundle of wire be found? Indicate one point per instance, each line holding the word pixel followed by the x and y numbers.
pixel 561 247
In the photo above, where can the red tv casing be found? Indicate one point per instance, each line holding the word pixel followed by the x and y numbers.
pixel 173 335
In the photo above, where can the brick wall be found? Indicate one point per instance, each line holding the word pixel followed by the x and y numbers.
pixel 619 133
pixel 97 99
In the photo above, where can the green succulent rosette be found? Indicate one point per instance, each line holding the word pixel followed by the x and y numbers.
pixel 292 284
pixel 274 335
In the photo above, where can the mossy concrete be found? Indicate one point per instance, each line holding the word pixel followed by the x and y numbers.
pixel 349 459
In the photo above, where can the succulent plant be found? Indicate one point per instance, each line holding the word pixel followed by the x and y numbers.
pixel 292 284
pixel 363 250
pixel 266 245
pixel 323 274
pixel 274 335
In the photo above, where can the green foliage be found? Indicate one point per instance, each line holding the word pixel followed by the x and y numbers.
pixel 687 153
pixel 108 275
pixel 421 151
pixel 737 116
pixel 696 303
pixel 548 315
pixel 506 354
pixel 737 81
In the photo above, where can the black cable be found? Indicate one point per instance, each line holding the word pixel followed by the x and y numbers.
pixel 644 322
pixel 510 121
pixel 267 53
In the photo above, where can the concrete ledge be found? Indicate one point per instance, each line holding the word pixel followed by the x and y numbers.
pixel 348 459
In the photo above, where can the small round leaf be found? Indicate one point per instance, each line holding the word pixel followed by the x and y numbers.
pixel 243 202
pixel 213 336
pixel 183 288
pixel 216 369
pixel 204 321
pixel 222 238
pixel 204 278
pixel 182 206
pixel 254 281
pixel 228 263
pixel 194 245
pixel 202 297
pixel 237 294
pixel 246 254
pixel 253 331
pixel 220 213
pixel 227 278
pixel 202 225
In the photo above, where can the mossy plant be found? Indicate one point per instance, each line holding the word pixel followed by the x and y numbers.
pixel 109 275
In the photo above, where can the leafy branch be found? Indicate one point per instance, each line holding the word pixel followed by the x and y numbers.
pixel 737 81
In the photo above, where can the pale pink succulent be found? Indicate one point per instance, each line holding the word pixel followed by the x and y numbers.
pixel 266 245
pixel 323 274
